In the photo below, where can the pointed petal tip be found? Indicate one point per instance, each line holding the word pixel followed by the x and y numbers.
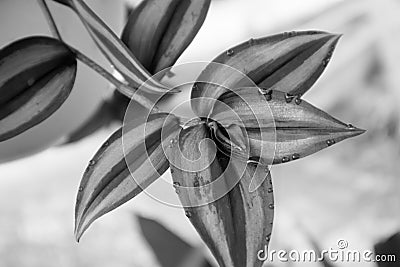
pixel 336 37
pixel 78 232
pixel 357 131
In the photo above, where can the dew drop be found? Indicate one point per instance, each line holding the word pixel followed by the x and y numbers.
pixel 271 206
pixel 326 61
pixel 196 184
pixel 350 127
pixel 229 52
pixel 270 190
pixel 188 214
pixel 295 156
pixel 289 98
pixel 298 101
pixel 268 238
pixel 285 159
pixel 330 142
pixel 176 184
pixel 172 170
pixel 80 189
pixel 31 82
pixel 92 162
pixel 252 161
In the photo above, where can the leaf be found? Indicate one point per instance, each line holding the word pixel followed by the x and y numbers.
pixel 275 121
pixel 195 170
pixel 288 62
pixel 253 209
pixel 36 77
pixel 170 249
pixel 158 31
pixel 214 189
pixel 145 29
pixel 116 52
pixel 116 175
pixel 182 28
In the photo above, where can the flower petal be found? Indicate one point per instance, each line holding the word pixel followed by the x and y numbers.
pixel 115 51
pixel 36 77
pixel 183 27
pixel 145 29
pixel 275 119
pixel 289 62
pixel 158 31
pixel 253 210
pixel 115 175
pixel 194 167
pixel 234 224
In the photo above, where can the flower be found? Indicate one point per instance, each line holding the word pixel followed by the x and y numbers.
pixel 250 115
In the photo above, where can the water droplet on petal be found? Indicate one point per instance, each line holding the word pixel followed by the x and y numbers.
pixel 350 127
pixel 252 161
pixel 106 144
pixel 196 184
pixel 188 213
pixel 271 206
pixel 176 184
pixel 289 98
pixel 295 156
pixel 229 52
pixel 285 159
pixel 298 101
pixel 268 237
pixel 31 82
pixel 92 162
pixel 330 142
pixel 80 189
pixel 270 190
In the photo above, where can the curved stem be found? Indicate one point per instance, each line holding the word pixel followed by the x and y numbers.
pixel 123 88
pixel 50 19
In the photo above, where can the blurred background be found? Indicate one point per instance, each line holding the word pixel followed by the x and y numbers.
pixel 349 191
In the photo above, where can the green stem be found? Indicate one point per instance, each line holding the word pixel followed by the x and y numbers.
pixel 123 88
pixel 50 19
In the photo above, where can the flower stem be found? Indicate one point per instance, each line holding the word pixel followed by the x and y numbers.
pixel 50 19
pixel 123 88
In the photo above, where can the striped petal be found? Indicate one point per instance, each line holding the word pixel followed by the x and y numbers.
pixel 36 77
pixel 194 169
pixel 116 173
pixel 288 62
pixel 115 51
pixel 234 222
pixel 158 31
pixel 276 121
pixel 253 210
